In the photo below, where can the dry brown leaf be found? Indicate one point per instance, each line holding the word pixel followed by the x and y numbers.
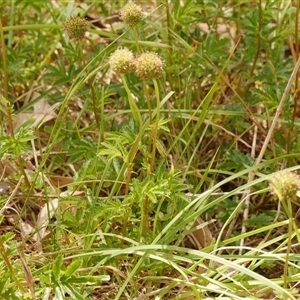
pixel 42 112
pixel 14 218
pixel 201 237
pixel 59 181
pixel 44 216
pixel 39 230
pixel 46 213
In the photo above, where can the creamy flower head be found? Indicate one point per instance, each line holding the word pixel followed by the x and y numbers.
pixel 121 61
pixel 149 66
pixel 285 184
pixel 131 14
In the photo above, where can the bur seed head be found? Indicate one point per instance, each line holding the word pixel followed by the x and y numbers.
pixel 149 66
pixel 121 61
pixel 285 184
pixel 131 14
pixel 76 27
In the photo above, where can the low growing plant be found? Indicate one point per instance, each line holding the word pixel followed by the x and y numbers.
pixel 141 146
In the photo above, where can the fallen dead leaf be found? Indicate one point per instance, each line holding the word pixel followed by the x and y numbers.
pixel 42 112
pixel 201 237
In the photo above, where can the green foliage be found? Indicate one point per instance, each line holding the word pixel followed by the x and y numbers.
pixel 61 74
pixel 156 181
pixel 236 161
pixel 65 280
pixel 17 145
pixel 260 220
pixel 227 209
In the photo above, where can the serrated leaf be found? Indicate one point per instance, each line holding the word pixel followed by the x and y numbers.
pixel 110 151
pixel 161 148
pixel 82 149
pixel 239 158
pixel 56 268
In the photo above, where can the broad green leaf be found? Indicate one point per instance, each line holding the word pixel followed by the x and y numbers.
pixel 56 268
pixel 71 269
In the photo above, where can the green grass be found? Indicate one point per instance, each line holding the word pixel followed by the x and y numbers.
pixel 122 188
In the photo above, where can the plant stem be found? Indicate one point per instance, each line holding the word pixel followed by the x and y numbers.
pixel 154 137
pixel 297 94
pixel 149 115
pixel 288 207
pixel 90 84
pixel 9 266
pixel 155 130
pixel 137 116
pixel 257 47
pixel 5 79
pixel 170 43
pixel 136 37
pixel 144 217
